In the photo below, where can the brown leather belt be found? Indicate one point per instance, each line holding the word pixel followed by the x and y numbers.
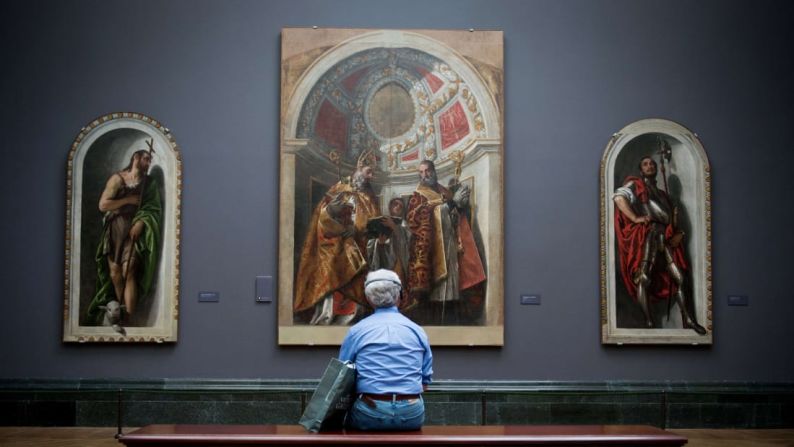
pixel 390 396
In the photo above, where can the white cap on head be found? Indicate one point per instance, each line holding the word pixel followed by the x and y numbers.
pixel 382 275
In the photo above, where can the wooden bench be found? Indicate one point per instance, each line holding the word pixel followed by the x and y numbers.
pixel 294 435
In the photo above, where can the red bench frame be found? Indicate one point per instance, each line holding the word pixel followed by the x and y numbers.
pixel 294 435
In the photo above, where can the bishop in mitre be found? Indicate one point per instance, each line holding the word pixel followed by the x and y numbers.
pixel 333 260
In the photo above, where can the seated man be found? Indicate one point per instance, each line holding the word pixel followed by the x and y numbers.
pixel 393 360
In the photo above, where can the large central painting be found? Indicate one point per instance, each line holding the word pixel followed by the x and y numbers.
pixel 391 157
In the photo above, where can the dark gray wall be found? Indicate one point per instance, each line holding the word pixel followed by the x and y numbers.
pixel 576 71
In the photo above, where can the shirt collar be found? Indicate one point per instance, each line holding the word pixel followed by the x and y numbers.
pixel 386 309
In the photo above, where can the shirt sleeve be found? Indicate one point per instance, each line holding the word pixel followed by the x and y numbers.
pixel 626 191
pixel 347 351
pixel 427 361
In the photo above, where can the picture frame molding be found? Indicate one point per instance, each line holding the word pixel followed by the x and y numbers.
pixel 701 274
pixel 73 331
pixel 486 150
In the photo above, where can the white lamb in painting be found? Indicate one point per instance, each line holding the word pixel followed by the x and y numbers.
pixel 112 316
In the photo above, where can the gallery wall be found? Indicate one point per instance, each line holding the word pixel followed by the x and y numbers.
pixel 575 73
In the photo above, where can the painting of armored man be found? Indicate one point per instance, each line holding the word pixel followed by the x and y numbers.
pixel 124 176
pixel 391 157
pixel 656 257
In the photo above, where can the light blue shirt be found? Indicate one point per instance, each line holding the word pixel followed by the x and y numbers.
pixel 391 353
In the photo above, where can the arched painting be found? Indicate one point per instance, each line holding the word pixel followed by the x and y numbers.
pixel 123 183
pixel 655 236
pixel 391 157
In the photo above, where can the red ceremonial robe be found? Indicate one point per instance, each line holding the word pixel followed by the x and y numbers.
pixel 427 264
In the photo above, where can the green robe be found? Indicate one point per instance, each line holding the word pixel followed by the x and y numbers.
pixel 147 249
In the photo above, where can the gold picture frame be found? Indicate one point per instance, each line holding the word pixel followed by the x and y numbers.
pixel 388 100
pixel 123 198
pixel 656 285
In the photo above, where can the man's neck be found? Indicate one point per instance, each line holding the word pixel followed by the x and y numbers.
pixel 135 175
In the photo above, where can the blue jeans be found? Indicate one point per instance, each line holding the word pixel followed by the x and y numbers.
pixel 387 415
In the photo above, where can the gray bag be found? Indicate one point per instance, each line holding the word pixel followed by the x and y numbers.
pixel 332 398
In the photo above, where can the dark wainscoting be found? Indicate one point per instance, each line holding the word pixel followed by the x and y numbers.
pixel 95 403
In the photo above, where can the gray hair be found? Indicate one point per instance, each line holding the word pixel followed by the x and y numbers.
pixel 382 288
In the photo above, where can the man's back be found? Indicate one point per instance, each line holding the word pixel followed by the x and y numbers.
pixel 389 351
pixel 393 361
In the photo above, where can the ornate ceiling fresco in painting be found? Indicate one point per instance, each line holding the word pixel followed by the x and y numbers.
pixel 405 103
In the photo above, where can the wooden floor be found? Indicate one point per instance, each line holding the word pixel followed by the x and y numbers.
pixel 103 437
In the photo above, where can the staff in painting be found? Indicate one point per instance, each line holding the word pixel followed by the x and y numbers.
pixel 128 261
pixel 453 185
pixel 665 153
pixel 336 159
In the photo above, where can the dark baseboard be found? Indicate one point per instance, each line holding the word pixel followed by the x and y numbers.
pixel 96 403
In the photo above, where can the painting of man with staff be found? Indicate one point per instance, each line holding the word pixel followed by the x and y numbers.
pixel 652 261
pixel 444 259
pixel 332 268
pixel 128 249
